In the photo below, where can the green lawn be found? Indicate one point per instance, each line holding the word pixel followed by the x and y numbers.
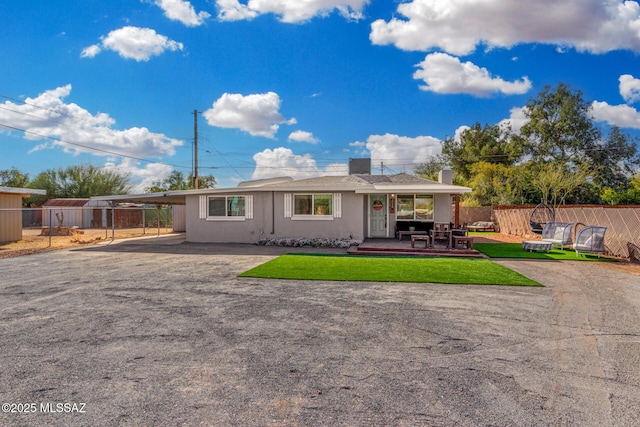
pixel 389 269
pixel 514 250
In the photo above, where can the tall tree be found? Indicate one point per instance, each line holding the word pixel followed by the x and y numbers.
pixel 13 178
pixel 629 196
pixel 493 184
pixel 489 143
pixel 562 132
pixel 431 168
pixel 560 126
pixel 178 181
pixel 79 182
pixel 556 182
pixel 613 160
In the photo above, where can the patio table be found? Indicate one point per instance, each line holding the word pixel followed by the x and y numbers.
pixel 401 234
pixel 467 240
pixel 536 245
pixel 423 237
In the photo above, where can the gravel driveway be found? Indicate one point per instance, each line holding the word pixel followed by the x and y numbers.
pixel 162 333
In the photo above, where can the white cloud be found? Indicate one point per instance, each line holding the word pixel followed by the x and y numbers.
pixel 622 116
pixel 629 88
pixel 133 43
pixel 516 119
pixel 91 51
pixel 257 114
pixel 402 152
pixel 48 116
pixel 283 162
pixel 141 177
pixel 303 136
pixel 233 10
pixel 443 73
pixel 458 27
pixel 290 11
pixel 457 136
pixel 183 11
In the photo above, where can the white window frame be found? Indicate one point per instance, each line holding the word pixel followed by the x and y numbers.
pixel 204 207
pixel 289 207
pixel 415 197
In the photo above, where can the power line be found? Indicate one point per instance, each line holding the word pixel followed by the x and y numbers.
pixel 59 113
pixel 114 153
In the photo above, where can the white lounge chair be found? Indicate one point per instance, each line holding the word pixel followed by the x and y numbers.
pixel 590 239
pixel 558 234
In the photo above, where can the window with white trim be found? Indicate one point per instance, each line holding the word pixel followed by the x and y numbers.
pixel 313 206
pixel 226 207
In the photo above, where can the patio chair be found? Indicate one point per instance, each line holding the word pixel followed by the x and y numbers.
pixel 558 234
pixel 590 239
pixel 441 232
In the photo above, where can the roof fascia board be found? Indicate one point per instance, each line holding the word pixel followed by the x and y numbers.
pixel 435 189
pixel 25 192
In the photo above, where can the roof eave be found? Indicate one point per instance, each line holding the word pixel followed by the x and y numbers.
pixel 414 189
pixel 24 192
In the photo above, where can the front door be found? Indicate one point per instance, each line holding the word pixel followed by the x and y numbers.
pixel 378 215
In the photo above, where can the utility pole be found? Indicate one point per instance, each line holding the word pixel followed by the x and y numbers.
pixel 195 149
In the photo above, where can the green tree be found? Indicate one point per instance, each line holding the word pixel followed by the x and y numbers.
pixel 13 178
pixel 555 182
pixel 178 181
pixel 79 182
pixel 493 184
pixel 204 181
pixel 489 143
pixel 560 127
pixel 431 168
pixel 561 131
pixel 613 159
pixel 629 196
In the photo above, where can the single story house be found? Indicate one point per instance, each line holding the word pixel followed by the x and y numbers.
pixel 11 211
pixel 356 206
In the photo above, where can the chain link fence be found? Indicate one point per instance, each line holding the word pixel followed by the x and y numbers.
pixel 38 227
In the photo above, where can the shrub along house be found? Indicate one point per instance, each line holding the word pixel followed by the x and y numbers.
pixel 356 206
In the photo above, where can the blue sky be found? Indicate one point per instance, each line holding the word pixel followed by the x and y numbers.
pixel 293 88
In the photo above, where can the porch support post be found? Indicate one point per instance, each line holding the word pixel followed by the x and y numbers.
pixel 457 211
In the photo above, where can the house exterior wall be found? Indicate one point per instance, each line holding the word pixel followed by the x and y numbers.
pixel 179 218
pixel 10 220
pixel 269 221
pixel 442 208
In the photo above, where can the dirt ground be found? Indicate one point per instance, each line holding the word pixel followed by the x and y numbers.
pixel 162 332
pixel 33 242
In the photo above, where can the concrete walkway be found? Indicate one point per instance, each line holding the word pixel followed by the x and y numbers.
pixel 151 334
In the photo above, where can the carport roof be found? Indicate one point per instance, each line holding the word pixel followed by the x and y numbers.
pixel 165 198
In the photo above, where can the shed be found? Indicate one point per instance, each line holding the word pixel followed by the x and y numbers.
pixel 71 212
pixel 11 211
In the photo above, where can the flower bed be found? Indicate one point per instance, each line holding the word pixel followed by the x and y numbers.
pixel 311 242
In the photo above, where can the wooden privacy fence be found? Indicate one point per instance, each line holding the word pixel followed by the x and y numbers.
pixel 623 224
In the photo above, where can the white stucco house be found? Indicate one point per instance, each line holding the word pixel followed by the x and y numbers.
pixel 356 206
